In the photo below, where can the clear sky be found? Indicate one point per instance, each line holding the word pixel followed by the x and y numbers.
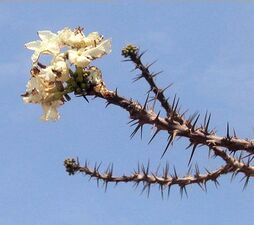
pixel 207 51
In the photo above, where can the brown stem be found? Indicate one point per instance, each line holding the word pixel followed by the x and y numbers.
pixel 197 136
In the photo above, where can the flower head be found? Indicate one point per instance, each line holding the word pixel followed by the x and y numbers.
pixel 50 84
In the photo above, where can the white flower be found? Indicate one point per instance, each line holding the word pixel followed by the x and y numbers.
pixel 35 91
pixel 41 92
pixel 50 110
pixel 82 57
pixel 56 71
pixel 77 39
pixel 72 38
pixel 47 74
pixel 93 39
pixel 49 44
pixel 61 68
pixel 48 84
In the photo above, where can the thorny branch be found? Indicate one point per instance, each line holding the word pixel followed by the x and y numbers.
pixel 237 153
pixel 142 175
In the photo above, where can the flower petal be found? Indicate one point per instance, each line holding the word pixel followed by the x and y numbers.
pixel 33 45
pixel 46 35
pixel 100 50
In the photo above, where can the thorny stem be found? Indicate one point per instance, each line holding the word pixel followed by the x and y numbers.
pixel 159 93
pixel 143 175
pixel 176 125
pixel 196 136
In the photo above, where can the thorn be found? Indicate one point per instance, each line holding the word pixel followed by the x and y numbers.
pixel 135 131
pixel 157 117
pixel 108 103
pixel 197 172
pixel 205 186
pixel 111 170
pixel 175 174
pixel 147 97
pixel 141 54
pixel 141 131
pixel 228 135
pixel 192 153
pixel 131 121
pixel 176 106
pixel 189 170
pixel 234 133
pixel 166 88
pixel 135 123
pixel 155 133
pixel 137 78
pixel 126 60
pixel 67 97
pixel 147 168
pixel 192 117
pixel 157 170
pixel 86 164
pixel 171 138
pixel 156 74
pixel 95 167
pixel 166 171
pixel 184 112
pixel 162 191
pixel 106 185
pixel 150 90
pixel 173 104
pixel 232 176
pixel 246 182
pixel 169 188
pixel 85 98
pixel 216 183
pixel 200 185
pixel 148 189
pixel 143 169
pixel 189 145
pixel 183 189
pixel 195 122
pixel 205 117
pixel 134 69
pixel 98 167
pixel 149 65
pixel 207 124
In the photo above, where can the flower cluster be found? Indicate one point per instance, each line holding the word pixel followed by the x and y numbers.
pixel 71 166
pixel 129 51
pixel 49 85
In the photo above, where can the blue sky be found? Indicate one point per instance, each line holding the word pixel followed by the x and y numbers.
pixel 207 51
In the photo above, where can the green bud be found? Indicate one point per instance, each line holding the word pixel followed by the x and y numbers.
pixel 71 83
pixel 84 86
pixel 129 50
pixel 80 78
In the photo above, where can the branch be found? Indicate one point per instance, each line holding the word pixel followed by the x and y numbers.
pixel 133 53
pixel 238 165
pixel 147 179
pixel 176 125
pixel 197 136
